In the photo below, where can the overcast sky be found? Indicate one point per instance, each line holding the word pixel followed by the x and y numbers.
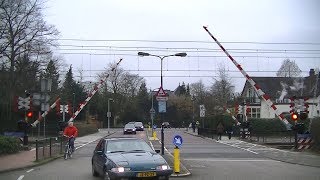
pixel 170 21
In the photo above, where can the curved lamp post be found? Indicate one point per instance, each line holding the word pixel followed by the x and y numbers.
pixel 161 59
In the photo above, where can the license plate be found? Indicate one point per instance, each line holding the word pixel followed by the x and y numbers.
pixel 146 174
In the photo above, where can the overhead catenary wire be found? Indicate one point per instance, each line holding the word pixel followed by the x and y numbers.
pixel 200 56
pixel 184 41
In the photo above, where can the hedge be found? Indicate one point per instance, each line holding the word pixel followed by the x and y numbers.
pixel 315 126
pixel 85 128
pixel 9 145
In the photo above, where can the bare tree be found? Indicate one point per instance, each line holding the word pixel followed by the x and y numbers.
pixel 24 38
pixel 198 90
pixel 23 30
pixel 289 69
pixel 221 90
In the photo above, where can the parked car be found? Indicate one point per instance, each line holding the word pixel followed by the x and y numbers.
pixel 139 126
pixel 129 129
pixel 166 125
pixel 124 158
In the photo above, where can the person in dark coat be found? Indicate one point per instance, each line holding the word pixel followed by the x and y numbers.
pixel 220 130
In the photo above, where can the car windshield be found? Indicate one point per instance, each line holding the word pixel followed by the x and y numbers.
pixel 138 124
pixel 129 126
pixel 127 145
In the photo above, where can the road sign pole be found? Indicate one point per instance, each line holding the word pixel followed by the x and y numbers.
pixel 162 138
pixel 63 113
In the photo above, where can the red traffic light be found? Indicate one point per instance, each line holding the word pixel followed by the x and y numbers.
pixel 29 114
pixel 294 116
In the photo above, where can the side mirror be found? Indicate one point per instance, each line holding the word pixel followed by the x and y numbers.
pixel 157 151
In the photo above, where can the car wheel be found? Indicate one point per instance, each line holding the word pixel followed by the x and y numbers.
pixel 106 176
pixel 94 172
pixel 135 132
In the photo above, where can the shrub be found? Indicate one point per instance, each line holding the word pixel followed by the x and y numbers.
pixel 85 129
pixel 9 145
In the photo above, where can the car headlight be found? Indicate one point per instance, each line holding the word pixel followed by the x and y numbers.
pixel 134 129
pixel 163 167
pixel 120 169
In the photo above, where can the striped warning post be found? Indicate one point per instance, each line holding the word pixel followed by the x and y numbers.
pixel 92 93
pixel 256 87
pixel 305 143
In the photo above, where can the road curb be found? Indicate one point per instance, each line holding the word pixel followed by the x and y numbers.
pixel 42 162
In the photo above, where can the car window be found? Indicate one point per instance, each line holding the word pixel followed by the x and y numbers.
pixel 127 145
pixel 129 126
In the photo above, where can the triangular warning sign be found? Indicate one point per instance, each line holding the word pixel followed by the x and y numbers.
pixel 161 92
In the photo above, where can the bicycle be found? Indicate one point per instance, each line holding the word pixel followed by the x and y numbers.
pixel 68 150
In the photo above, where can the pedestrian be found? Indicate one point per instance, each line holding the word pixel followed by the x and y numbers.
pixel 194 126
pixel 229 131
pixel 219 130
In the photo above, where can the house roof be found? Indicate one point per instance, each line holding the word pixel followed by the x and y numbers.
pixel 287 87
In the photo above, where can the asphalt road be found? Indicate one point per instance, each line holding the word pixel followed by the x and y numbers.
pixel 233 159
pixel 205 158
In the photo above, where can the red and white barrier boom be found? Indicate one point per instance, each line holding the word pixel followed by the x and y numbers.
pixel 256 87
pixel 92 93
pixel 234 118
pixel 34 124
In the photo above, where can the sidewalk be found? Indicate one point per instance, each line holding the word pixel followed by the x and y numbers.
pixel 26 159
pixel 305 158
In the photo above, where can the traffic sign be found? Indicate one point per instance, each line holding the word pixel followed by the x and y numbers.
pixel 202 111
pixel 161 92
pixel 24 103
pixel 177 140
pixel 162 98
pixel 162 106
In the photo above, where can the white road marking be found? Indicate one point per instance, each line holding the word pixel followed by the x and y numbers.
pixel 238 147
pixel 228 160
pixel 30 170
pixel 20 177
pixel 85 144
pixel 252 146
pixel 151 145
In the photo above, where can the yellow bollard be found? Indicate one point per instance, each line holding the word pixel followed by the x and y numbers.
pixel 176 160
pixel 154 135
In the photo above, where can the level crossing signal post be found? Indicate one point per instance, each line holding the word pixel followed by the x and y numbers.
pixel 299 111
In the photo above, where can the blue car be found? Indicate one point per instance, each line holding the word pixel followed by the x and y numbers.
pixel 128 158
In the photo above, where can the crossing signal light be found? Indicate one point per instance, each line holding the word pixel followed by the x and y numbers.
pixel 29 114
pixel 294 116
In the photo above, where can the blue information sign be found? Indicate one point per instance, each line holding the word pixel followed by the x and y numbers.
pixel 177 140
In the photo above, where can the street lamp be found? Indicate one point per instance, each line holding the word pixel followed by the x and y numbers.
pixel 109 114
pixel 161 58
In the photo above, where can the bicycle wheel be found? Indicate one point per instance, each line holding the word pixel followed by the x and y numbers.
pixel 66 152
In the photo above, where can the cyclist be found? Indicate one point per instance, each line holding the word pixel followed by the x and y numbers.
pixel 71 132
